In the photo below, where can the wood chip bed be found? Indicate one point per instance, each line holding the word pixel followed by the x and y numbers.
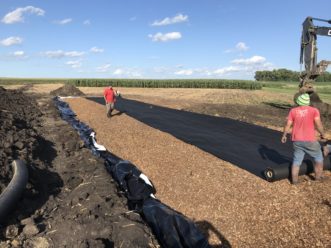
pixel 230 205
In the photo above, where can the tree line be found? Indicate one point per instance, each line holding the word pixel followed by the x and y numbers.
pixel 281 75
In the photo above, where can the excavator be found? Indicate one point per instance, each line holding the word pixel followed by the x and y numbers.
pixel 308 57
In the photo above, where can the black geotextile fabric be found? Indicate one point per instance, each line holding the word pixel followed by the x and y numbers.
pixel 250 147
pixel 171 228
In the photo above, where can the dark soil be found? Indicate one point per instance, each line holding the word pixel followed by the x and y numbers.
pixel 70 199
pixel 67 90
pixel 266 114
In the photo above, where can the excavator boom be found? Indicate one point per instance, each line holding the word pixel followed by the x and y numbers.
pixel 308 53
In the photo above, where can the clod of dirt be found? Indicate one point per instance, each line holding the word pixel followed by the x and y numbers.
pixel 2 89
pixel 67 90
pixel 70 199
pixel 19 116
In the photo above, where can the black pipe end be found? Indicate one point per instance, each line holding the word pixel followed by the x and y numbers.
pixel 269 174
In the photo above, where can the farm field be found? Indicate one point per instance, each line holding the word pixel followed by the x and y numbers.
pixel 149 124
pixel 229 205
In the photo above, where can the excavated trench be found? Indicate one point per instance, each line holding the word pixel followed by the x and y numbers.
pixel 69 200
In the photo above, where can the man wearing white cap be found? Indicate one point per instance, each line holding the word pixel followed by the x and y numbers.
pixel 304 119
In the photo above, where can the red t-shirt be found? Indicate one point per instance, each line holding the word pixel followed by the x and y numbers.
pixel 303 123
pixel 109 95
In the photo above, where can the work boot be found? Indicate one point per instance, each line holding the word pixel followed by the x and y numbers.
pixel 295 174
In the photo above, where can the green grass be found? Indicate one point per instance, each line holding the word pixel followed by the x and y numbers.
pixel 290 88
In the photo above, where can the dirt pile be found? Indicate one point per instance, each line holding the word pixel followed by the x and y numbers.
pixel 18 138
pixel 67 90
pixel 70 199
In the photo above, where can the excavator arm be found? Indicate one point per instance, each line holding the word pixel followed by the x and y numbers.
pixel 308 53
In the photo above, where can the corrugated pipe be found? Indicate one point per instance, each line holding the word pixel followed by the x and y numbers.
pixel 13 191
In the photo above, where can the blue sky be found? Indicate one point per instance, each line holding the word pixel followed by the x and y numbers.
pixel 227 39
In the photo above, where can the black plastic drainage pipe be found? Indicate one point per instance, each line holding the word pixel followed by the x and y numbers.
pixel 14 189
pixel 274 174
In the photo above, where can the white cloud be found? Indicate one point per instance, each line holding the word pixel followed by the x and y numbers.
pixel 225 70
pixel 267 66
pixel 171 20
pixel 207 71
pixel 54 54
pixel 184 72
pixel 241 46
pixel 96 50
pixel 74 54
pixel 87 22
pixel 128 72
pixel 14 56
pixel 19 53
pixel 245 67
pixel 61 54
pixel 165 37
pixel 237 70
pixel 13 40
pixel 18 14
pixel 103 68
pixel 118 72
pixel 74 63
pixel 250 61
pixel 64 21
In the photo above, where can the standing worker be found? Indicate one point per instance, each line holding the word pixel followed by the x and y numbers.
pixel 110 99
pixel 304 119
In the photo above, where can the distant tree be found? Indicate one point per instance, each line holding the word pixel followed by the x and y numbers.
pixel 286 75
pixel 276 75
pixel 325 77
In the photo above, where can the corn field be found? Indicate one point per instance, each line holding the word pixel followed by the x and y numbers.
pixel 143 83
pixel 168 83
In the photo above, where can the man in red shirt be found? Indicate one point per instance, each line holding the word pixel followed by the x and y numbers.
pixel 110 99
pixel 304 119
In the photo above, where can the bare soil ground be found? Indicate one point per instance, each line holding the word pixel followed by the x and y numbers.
pixel 230 205
pixel 70 199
